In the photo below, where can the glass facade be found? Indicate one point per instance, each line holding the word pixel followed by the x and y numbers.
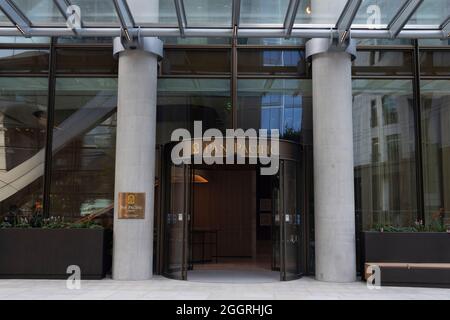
pixel 283 104
pixel 435 115
pixel 399 103
pixel 384 152
pixel 185 100
pixel 41 13
pixel 23 126
pixel 401 99
pixel 82 174
pixel 24 61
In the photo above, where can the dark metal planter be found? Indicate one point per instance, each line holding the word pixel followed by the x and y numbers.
pixel 409 247
pixel 46 253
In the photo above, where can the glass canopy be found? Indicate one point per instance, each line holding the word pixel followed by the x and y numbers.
pixel 228 18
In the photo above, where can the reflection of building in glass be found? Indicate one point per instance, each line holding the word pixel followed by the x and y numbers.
pixel 384 147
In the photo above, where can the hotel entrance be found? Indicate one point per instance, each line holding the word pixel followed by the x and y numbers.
pixel 229 222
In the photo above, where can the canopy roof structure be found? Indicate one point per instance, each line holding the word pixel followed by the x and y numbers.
pixel 387 19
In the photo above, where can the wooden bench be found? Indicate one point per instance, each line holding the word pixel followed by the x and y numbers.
pixel 412 274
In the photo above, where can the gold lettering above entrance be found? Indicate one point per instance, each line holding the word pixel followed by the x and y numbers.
pixel 131 205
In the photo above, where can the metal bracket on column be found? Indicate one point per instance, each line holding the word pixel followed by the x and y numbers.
pixel 149 44
pixel 332 44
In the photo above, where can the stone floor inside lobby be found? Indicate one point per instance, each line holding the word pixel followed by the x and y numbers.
pixel 163 288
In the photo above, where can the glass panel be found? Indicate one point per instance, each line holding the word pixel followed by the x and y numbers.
pixel 4 20
pixel 383 62
pixel 176 221
pixel 325 12
pixel 41 12
pixel 435 63
pixel 276 221
pixel 383 42
pixel 431 12
pixel 23 124
pixel 272 41
pixel 83 148
pixel 283 104
pixel 183 101
pixel 256 61
pixel 208 13
pixel 184 61
pixel 434 42
pixel 21 39
pixel 435 101
pixel 97 13
pixel 84 40
pixel 266 12
pixel 86 61
pixel 23 61
pixel 384 153
pixel 147 12
pixel 291 238
pixel 195 41
pixel 377 13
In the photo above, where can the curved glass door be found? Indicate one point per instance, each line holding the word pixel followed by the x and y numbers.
pixel 290 220
pixel 176 220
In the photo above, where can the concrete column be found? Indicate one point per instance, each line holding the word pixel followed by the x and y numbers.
pixel 334 204
pixel 135 156
pixel 333 168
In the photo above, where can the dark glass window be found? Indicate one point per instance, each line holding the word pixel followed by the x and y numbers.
pixel 82 176
pixel 390 115
pixel 183 101
pixel 435 63
pixel 271 61
pixel 384 156
pixel 196 62
pixel 283 104
pixel 23 61
pixel 23 125
pixel 374 114
pixel 383 62
pixel 375 150
pixel 86 61
pixel 436 150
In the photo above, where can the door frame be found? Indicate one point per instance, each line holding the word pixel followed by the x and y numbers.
pixel 289 151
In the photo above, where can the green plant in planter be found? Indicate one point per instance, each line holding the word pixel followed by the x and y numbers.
pixel 85 225
pixel 49 223
pixel 54 223
pixel 23 222
pixel 5 225
pixel 419 226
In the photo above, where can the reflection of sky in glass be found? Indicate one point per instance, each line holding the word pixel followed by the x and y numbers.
pixel 282 112
pixel 281 58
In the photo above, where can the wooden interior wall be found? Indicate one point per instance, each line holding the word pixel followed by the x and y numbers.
pixel 227 203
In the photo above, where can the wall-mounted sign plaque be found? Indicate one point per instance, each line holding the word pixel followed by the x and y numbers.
pixel 131 205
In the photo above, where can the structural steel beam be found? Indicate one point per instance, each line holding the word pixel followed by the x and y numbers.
pixel 125 17
pixel 346 18
pixel 402 17
pixel 224 32
pixel 236 13
pixel 16 16
pixel 289 19
pixel 181 16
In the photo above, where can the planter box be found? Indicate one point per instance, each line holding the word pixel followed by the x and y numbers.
pixel 46 253
pixel 409 247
